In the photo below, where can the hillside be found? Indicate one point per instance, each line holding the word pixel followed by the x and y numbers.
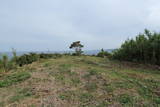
pixel 85 81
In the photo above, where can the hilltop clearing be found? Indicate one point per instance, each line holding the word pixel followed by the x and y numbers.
pixel 80 81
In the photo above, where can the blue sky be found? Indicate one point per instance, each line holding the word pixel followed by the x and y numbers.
pixel 41 25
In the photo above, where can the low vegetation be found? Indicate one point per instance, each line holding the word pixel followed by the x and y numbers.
pixel 77 81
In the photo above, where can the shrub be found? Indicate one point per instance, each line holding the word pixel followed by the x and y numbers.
pixel 103 54
pixel 27 59
pixel 49 55
pixel 6 64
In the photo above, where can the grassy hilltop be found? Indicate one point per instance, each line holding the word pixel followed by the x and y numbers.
pixel 80 81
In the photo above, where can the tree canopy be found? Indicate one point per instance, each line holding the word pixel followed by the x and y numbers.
pixel 77 46
pixel 144 48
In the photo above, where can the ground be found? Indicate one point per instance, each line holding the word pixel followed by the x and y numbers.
pixel 85 81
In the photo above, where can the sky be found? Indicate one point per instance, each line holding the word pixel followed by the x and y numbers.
pixel 42 25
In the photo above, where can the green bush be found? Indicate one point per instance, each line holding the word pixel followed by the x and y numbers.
pixel 103 54
pixel 27 59
pixel 48 55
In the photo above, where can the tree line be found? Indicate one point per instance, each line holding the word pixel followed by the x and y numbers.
pixel 145 48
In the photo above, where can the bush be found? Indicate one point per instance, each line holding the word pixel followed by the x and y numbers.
pixel 27 59
pixel 103 54
pixel 47 55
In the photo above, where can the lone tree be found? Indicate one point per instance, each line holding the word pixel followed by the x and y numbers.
pixel 77 46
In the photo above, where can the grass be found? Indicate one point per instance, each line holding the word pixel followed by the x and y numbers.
pixel 84 81
pixel 91 86
pixel 21 94
pixel 14 78
pixel 125 99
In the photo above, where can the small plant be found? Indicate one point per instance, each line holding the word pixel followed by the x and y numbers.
pixel 5 63
pixel 125 99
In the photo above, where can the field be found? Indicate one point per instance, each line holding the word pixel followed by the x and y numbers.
pixel 85 81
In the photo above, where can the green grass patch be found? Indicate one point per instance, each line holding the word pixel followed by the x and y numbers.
pixel 14 78
pixel 125 99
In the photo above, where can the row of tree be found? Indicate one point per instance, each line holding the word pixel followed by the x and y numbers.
pixel 144 48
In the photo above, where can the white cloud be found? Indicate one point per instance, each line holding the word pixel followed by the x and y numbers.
pixel 54 24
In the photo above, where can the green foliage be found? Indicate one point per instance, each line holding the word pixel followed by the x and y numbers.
pixel 49 55
pixel 14 78
pixel 32 57
pixel 145 48
pixel 6 64
pixel 103 54
pixel 78 48
pixel 27 59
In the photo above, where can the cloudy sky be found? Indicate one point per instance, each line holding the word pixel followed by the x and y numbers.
pixel 40 25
